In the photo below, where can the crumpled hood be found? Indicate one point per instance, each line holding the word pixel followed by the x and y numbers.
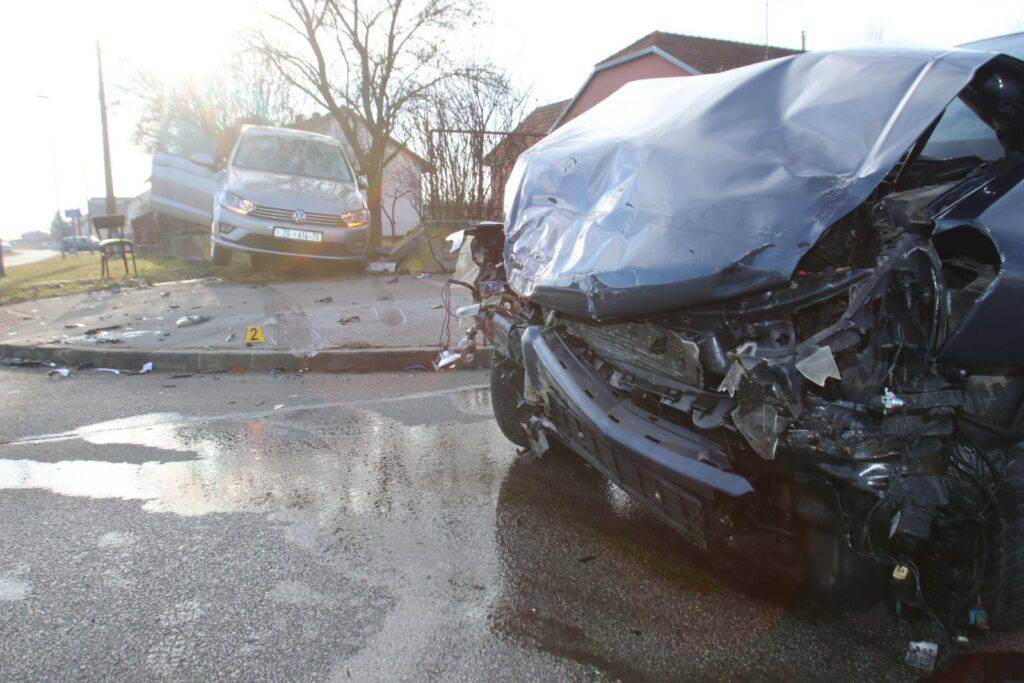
pixel 679 191
pixel 285 191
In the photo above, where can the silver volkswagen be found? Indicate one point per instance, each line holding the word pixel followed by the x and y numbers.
pixel 279 192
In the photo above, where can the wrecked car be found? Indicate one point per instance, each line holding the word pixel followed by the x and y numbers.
pixel 781 307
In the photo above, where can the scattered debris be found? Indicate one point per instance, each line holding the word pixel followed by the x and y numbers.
pixel 437 306
pixel 393 280
pixel 346 319
pixel 164 295
pixel 113 371
pixel 181 375
pixel 278 371
pixel 96 330
pixel 416 366
pixel 279 406
pixel 63 372
pixel 73 326
pixel 384 297
pixel 188 320
pixel 423 276
pixel 325 300
pixel 230 338
pixel 260 402
pixel 147 368
pixel 922 654
pixel 588 558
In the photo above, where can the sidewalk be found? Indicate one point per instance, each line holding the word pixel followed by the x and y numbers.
pixel 301 319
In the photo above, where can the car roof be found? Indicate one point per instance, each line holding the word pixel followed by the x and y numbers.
pixel 277 131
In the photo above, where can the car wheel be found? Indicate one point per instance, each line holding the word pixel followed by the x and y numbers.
pixel 220 255
pixel 507 400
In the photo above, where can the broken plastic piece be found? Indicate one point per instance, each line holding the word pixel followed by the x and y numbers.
pixel 188 320
pixel 819 366
pixel 446 359
pixel 900 572
pixel 110 370
pixel 922 654
pixel 147 368
pixel 467 311
pixel 63 372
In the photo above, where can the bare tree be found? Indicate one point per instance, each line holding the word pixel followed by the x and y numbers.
pixel 240 91
pixel 462 127
pixel 402 186
pixel 368 63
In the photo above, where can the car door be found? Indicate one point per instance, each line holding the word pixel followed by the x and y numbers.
pixel 185 176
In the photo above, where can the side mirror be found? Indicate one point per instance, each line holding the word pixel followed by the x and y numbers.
pixel 361 182
pixel 203 159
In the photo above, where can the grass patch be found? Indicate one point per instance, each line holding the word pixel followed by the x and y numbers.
pixel 81 273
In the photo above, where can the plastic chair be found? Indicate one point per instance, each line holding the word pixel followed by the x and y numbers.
pixel 114 244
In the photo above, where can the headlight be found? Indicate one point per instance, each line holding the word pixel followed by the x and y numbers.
pixel 235 204
pixel 355 219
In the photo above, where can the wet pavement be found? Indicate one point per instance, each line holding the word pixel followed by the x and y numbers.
pixel 365 527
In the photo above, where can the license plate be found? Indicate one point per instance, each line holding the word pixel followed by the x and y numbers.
pixel 304 235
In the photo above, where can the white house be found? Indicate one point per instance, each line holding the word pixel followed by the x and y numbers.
pixel 402 194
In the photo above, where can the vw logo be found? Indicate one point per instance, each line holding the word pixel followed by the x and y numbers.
pixel 299 216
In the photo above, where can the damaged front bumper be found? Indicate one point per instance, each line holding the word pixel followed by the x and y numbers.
pixel 675 470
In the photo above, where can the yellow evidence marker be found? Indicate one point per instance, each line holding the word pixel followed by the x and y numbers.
pixel 254 335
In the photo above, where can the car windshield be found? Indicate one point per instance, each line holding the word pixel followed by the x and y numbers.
pixel 292 156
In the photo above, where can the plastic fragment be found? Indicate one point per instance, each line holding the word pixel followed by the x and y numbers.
pixel 113 371
pixel 346 319
pixel 147 368
pixel 188 320
pixel 325 300
pixel 62 372
pixel 819 366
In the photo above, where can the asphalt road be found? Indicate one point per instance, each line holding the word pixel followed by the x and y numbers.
pixel 364 527
pixel 24 257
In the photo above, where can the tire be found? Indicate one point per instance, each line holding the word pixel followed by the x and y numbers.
pixel 507 400
pixel 220 255
pixel 952 565
pixel 1003 591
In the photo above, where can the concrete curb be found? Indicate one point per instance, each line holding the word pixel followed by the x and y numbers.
pixel 333 360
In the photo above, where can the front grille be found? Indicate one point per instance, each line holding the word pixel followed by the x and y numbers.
pixel 350 248
pixel 285 216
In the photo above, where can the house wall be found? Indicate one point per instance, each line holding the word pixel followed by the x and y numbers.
pixel 401 195
pixel 607 81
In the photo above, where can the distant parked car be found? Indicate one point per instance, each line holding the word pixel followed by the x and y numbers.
pixel 78 243
pixel 5 247
pixel 279 192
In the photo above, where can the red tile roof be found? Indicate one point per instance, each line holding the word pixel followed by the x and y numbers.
pixel 706 55
pixel 531 129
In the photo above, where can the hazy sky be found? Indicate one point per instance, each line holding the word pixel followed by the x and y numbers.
pixel 50 114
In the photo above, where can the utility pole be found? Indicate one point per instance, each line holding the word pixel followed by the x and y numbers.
pixel 803 41
pixel 108 174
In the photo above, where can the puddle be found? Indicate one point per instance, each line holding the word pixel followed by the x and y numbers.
pixel 356 460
